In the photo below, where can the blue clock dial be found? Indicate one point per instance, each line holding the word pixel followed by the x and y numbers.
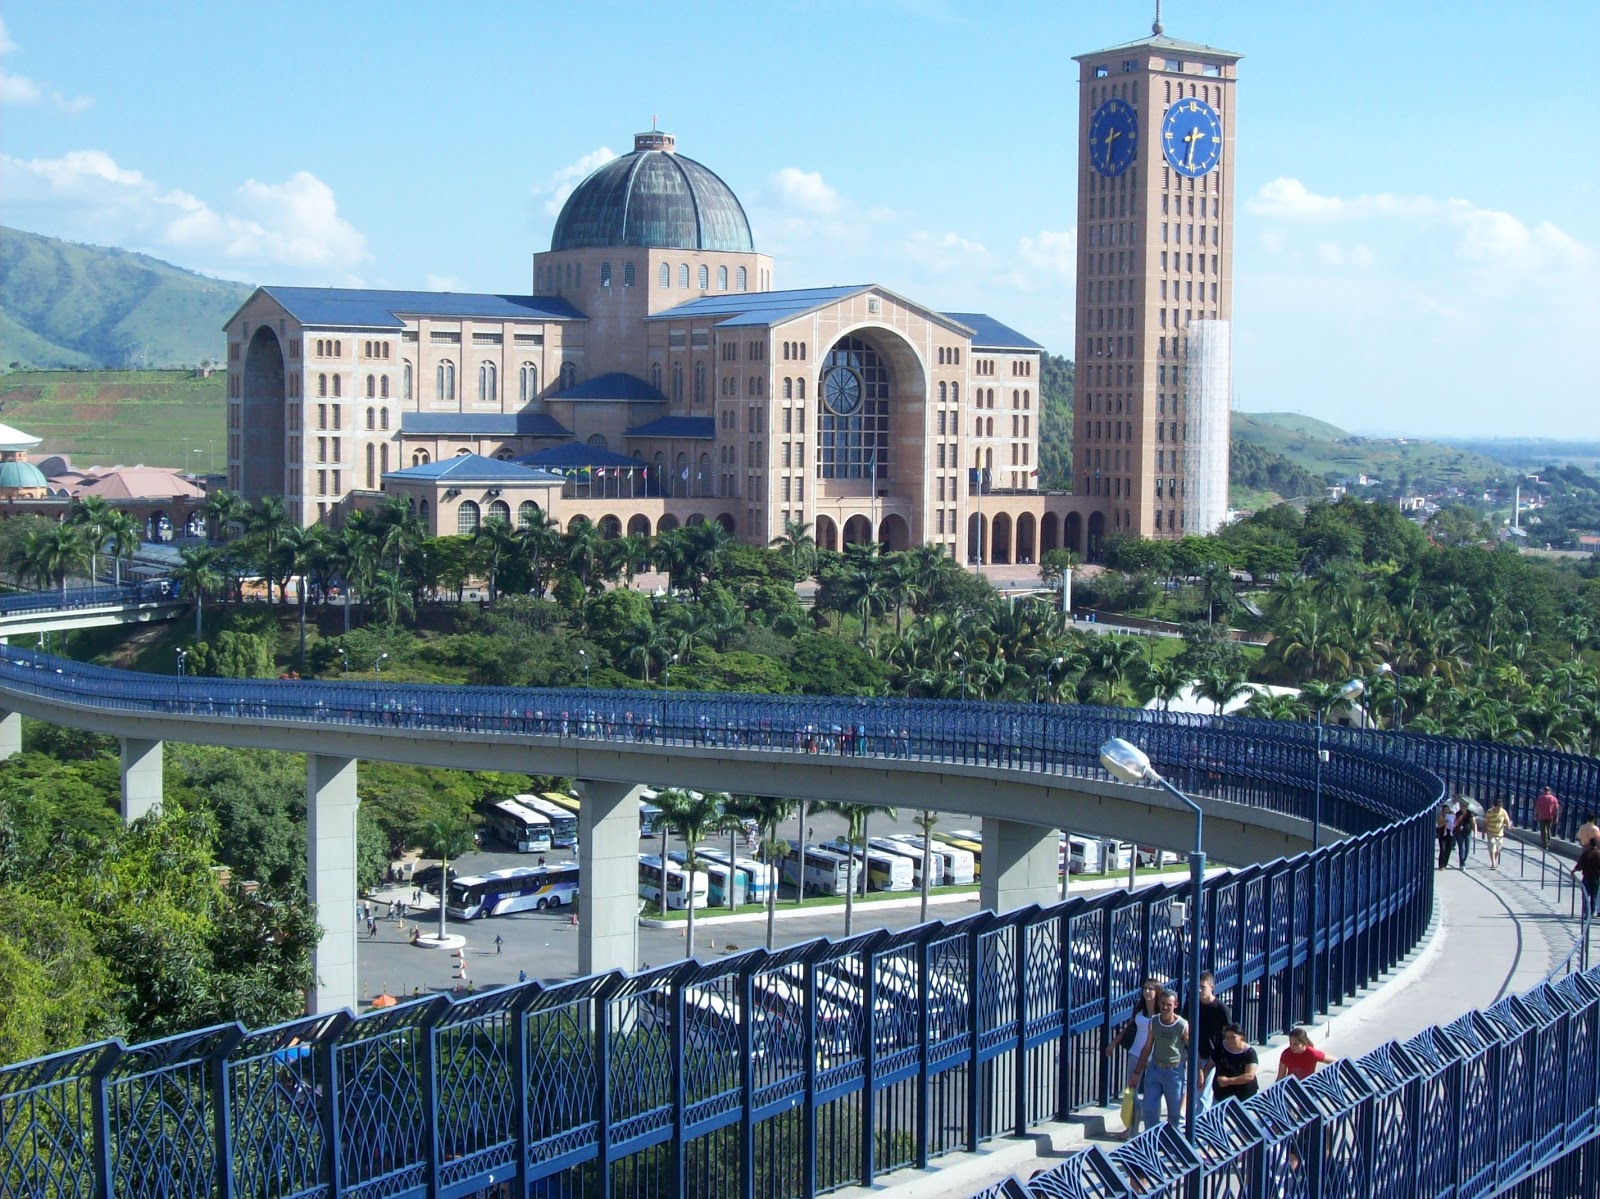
pixel 841 390
pixel 1191 137
pixel 1113 137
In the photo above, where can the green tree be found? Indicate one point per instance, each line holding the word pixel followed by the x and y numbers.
pixel 691 815
pixel 447 840
pixel 197 574
pixel 856 816
pixel 769 812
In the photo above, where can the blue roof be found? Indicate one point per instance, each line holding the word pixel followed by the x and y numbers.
pixel 759 307
pixel 653 198
pixel 482 424
pixel 344 307
pixel 990 334
pixel 473 468
pixel 677 426
pixel 564 457
pixel 614 386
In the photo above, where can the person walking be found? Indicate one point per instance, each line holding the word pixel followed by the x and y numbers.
pixel 1161 1064
pixel 1496 822
pixel 1214 1021
pixel 1465 827
pixel 1589 866
pixel 499 945
pixel 1133 1036
pixel 1301 1059
pixel 1236 1066
pixel 1547 810
pixel 1444 833
pixel 1587 831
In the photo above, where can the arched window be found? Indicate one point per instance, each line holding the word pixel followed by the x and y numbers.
pixel 488 383
pixel 500 511
pixel 605 274
pixel 627 274
pixel 372 467
pixel 683 275
pixel 705 277
pixel 467 518
pixel 372 418
pixel 699 383
pixel 421 458
pixel 527 382
pixel 800 388
pixel 664 276
pixel 422 511
pixel 943 393
pixel 722 278
pixel 383 387
pixel 788 388
pixel 1027 400
pixel 706 480
pixel 569 375
pixel 978 432
pixel 854 444
pixel 445 379
pixel 383 418
pixel 405 388
pixel 955 393
pixel 322 385
pixel 677 382
pixel 526 511
pixel 372 386
pixel 503 454
pixel 655 375
pixel 741 278
pixel 597 441
pixel 383 459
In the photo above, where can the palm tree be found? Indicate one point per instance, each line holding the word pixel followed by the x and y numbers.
pixel 197 574
pixel 122 530
pixel 49 555
pixel 691 815
pixel 1275 705
pixel 926 819
pixel 298 549
pixel 768 812
pixel 388 597
pixel 266 521
pixel 1221 684
pixel 1168 679
pixel 583 546
pixel 445 839
pixel 797 545
pixel 225 509
pixel 539 537
pixel 856 815
pixel 495 541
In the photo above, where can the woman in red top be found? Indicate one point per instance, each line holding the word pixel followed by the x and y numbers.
pixel 1302 1057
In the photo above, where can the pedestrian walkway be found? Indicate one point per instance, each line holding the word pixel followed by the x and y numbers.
pixel 1495 933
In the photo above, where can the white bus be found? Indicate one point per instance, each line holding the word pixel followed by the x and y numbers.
pixel 719 878
pixel 563 823
pixel 827 873
pixel 759 878
pixel 523 829
pixel 678 893
pixel 958 864
pixel 519 889
pixel 885 871
pixel 782 997
pixel 913 854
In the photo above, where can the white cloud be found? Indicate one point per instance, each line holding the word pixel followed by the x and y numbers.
pixel 805 191
pixel 20 90
pixel 85 195
pixel 564 181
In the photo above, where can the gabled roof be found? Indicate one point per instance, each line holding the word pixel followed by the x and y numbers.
pixel 482 424
pixel 759 307
pixel 353 308
pixel 614 386
pixel 1161 41
pixel 474 468
pixel 990 334
pixel 575 455
pixel 693 427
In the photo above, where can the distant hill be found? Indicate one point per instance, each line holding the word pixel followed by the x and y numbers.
pixel 69 306
pixel 1327 450
pixel 159 418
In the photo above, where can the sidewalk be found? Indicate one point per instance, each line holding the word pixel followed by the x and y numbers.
pixel 1495 933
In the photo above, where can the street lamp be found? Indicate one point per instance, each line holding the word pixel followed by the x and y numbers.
pixel 584 654
pixel 666 673
pixel 376 664
pixel 1049 670
pixel 344 661
pixel 1394 676
pixel 183 656
pixel 956 654
pixel 94 557
pixel 1352 690
pixel 1132 765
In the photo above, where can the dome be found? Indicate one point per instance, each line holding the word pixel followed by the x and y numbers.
pixel 16 474
pixel 653 197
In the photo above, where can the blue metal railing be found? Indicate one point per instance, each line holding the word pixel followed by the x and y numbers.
pixel 790 1073
pixel 25 603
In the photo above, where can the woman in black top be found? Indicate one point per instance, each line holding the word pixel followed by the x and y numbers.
pixel 1236 1066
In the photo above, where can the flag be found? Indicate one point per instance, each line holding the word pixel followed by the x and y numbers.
pixel 685 475
pixel 1034 473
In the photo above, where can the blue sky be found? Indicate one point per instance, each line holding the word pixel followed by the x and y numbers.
pixel 1417 184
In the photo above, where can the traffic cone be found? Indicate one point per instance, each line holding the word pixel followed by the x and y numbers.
pixel 461 964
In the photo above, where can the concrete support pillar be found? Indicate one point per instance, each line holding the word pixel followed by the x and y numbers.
pixel 141 777
pixel 608 858
pixel 1019 865
pixel 331 877
pixel 10 734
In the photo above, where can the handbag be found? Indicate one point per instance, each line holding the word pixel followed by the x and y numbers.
pixel 1127 1106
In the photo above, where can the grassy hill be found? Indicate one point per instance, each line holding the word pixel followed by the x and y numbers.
pixel 159 418
pixel 71 306
pixel 1324 449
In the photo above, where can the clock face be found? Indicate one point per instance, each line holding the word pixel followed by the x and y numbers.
pixel 1191 137
pixel 1113 137
pixel 841 390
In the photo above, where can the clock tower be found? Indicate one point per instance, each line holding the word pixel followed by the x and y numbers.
pixel 1155 286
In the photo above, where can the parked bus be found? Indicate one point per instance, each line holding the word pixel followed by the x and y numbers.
pixel 968 840
pixel 781 996
pixel 827 873
pixel 958 863
pixel 562 800
pixel 519 889
pixel 913 854
pixel 885 871
pixel 759 878
pixel 525 830
pixel 649 814
pixel 678 894
pixel 719 878
pixel 563 824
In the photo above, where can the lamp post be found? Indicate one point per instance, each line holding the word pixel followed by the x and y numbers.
pixel 1049 670
pixel 377 663
pixel 94 557
pixel 666 673
pixel 183 655
pixel 956 654
pixel 1351 690
pixel 1131 764
pixel 1394 676
pixel 344 661
pixel 584 654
